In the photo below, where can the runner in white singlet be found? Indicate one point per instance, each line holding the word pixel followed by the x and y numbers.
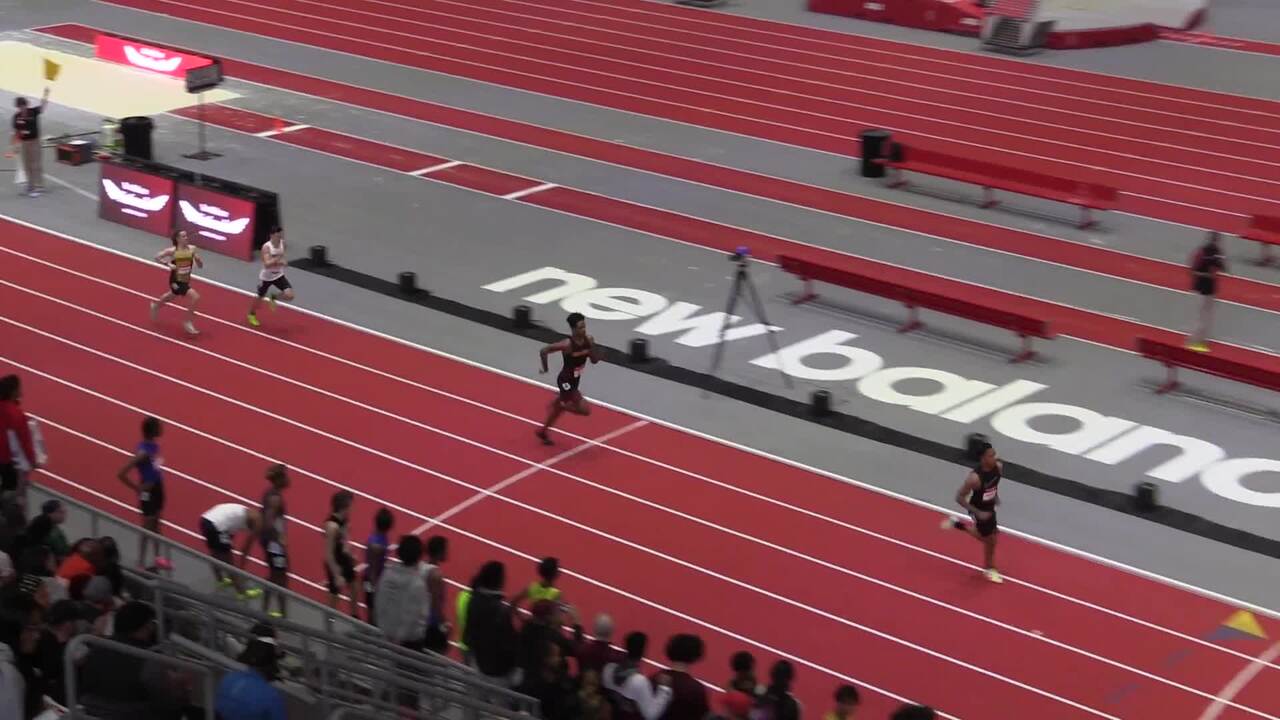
pixel 272 275
pixel 219 524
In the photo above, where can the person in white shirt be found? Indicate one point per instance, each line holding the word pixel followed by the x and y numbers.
pixel 272 275
pixel 636 697
pixel 219 524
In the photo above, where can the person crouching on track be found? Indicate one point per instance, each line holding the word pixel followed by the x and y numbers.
pixel 219 525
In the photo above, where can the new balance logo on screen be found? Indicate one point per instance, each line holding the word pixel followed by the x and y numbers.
pixel 215 222
pixel 151 59
pixel 1089 434
pixel 135 199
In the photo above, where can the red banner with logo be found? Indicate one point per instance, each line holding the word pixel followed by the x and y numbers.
pixel 147 57
pixel 136 198
pixel 216 221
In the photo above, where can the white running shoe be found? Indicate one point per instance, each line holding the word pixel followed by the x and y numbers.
pixel 155 311
pixel 190 328
pixel 993 575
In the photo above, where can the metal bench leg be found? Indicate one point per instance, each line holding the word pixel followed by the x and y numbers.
pixel 1171 382
pixel 913 320
pixel 1027 351
pixel 989 198
pixel 1086 217
pixel 1266 258
pixel 807 294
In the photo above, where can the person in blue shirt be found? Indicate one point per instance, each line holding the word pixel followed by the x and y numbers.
pixel 248 694
pixel 375 559
pixel 150 489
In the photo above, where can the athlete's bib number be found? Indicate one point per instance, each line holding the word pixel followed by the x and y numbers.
pixel 278 560
pixel 224 538
pixel 144 496
pixel 578 370
pixel 368 586
pixel 989 495
pixel 566 386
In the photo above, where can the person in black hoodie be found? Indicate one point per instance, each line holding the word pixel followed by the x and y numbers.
pixel 777 703
pixel 490 633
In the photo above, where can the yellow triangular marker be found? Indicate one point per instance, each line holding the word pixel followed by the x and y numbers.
pixel 1244 621
pixel 51 70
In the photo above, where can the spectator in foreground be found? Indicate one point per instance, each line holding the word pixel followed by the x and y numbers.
pixel 490 629
pixel 743 665
pixel 847 701
pixel 401 597
pixel 14 420
pixel 375 559
pixel 688 695
pixel 914 712
pixel 593 655
pixel 46 529
pixel 592 704
pixel 437 620
pixel 339 566
pixel 777 702
pixel 635 697
pixel 544 588
pixel 111 683
pixel 541 629
pixel 248 694
pixel 548 681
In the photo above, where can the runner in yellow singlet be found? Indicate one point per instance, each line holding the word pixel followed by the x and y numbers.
pixel 182 259
pixel 544 588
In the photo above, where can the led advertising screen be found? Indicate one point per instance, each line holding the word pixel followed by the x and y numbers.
pixel 216 221
pixel 136 198
pixel 147 57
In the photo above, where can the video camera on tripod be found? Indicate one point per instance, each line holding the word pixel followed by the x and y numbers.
pixel 743 287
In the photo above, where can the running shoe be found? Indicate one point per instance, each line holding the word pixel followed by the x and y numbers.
pixel 253 320
pixel 163 563
pixel 190 328
pixel 276 614
pixel 155 311
pixel 1198 347
pixel 226 582
pixel 252 593
pixel 951 522
pixel 994 575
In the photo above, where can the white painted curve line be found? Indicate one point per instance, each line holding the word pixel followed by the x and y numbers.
pixel 751 451
pixel 602 442
pixel 528 191
pixel 281 131
pixel 1242 678
pixel 638 547
pixel 473 536
pixel 499 487
pixel 436 168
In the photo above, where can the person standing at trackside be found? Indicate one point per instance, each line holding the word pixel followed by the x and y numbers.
pixel 688 694
pixel 777 702
pixel 26 141
pixel 339 566
pixel 274 539
pixel 150 488
pixel 375 559
pixel 980 494
pixel 402 602
pixel 847 701
pixel 437 621
pixel 15 437
pixel 490 631
pixel 1206 264
pixel 634 696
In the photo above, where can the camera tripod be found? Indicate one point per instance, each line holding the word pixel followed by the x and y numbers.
pixel 743 286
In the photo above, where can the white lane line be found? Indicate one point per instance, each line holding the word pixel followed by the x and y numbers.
pixel 1242 678
pixel 778 503
pixel 526 473
pixel 281 131
pixel 601 441
pixel 528 191
pixel 436 168
pixel 472 536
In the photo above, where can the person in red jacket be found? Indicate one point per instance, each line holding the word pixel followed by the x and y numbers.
pixel 13 424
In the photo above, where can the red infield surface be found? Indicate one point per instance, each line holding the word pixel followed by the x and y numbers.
pixel 669 530
pixel 1173 151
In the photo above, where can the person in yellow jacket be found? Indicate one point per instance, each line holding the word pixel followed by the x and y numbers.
pixel 544 588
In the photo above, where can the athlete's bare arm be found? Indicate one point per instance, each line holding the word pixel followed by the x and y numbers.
pixel 165 256
pixel 592 350
pixel 971 484
pixel 552 349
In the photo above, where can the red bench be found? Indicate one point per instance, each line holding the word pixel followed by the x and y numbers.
pixel 993 176
pixel 1246 366
pixel 1264 229
pixel 919 290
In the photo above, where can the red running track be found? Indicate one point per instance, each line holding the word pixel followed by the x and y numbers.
pixel 669 530
pixel 1066 320
pixel 948 227
pixel 1171 152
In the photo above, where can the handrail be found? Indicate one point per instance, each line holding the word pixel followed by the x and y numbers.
pixel 96 517
pixel 92 641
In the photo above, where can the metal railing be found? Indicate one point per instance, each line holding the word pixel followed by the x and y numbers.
pixel 97 644
pixel 330 652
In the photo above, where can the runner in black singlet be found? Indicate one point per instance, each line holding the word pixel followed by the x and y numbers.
pixel 275 545
pixel 980 495
pixel 577 349
pixel 339 566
